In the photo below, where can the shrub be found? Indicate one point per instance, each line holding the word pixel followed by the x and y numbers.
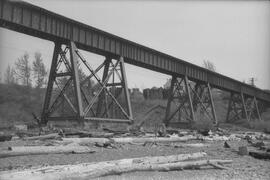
pixel 261 126
pixel 203 125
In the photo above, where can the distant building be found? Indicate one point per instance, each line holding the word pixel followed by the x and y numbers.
pixel 153 93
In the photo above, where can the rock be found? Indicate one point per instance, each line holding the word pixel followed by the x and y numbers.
pixel 226 145
pixel 233 137
pixel 15 138
pixel 21 127
pixel 5 137
pixel 205 132
pixel 242 150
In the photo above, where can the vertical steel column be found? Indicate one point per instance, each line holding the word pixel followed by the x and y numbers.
pixel 235 104
pixel 244 106
pixel 212 104
pixel 250 108
pixel 195 100
pixel 229 107
pixel 257 109
pixel 125 86
pixel 103 94
pixel 44 115
pixel 189 99
pixel 76 81
pixel 171 95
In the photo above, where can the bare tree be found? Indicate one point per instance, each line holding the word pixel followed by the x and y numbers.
pixel 81 74
pixel 209 65
pixel 39 70
pixel 23 69
pixel 10 75
pixel 167 85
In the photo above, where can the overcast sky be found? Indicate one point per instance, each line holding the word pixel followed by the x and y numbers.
pixel 234 35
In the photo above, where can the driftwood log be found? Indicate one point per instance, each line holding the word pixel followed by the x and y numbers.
pixel 119 169
pixel 130 140
pixel 87 134
pixel 44 137
pixel 90 170
pixel 260 155
pixel 37 150
pixel 182 145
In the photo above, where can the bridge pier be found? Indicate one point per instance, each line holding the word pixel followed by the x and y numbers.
pixel 80 99
pixel 241 106
pixel 181 99
pixel 186 98
pixel 203 101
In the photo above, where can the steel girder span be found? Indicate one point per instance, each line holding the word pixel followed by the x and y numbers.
pixel 35 21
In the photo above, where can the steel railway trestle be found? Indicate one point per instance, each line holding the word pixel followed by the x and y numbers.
pixel 69 35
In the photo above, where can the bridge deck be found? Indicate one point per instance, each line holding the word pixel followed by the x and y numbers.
pixel 35 21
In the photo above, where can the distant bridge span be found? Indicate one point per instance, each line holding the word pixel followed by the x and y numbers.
pixel 35 21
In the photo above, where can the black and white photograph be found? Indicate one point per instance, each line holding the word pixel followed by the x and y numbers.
pixel 134 89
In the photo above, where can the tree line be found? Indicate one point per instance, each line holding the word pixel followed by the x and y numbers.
pixel 25 73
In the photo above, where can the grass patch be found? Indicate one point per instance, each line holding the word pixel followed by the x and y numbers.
pixel 261 126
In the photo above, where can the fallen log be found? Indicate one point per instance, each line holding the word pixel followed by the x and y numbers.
pixel 153 139
pixel 214 138
pixel 131 139
pixel 120 169
pixel 86 141
pixel 88 170
pixel 115 132
pixel 175 145
pixel 23 134
pixel 37 150
pixel 88 134
pixel 44 137
pixel 101 134
pixel 260 155
pixel 181 145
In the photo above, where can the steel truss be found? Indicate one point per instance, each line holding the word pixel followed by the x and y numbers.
pixel 81 100
pixel 242 107
pixel 188 98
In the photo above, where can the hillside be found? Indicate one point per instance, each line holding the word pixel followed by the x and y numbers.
pixel 17 103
